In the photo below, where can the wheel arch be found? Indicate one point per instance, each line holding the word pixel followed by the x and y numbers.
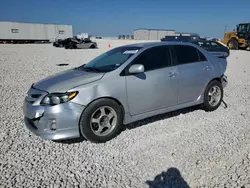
pixel 107 97
pixel 233 38
pixel 92 46
pixel 103 97
pixel 213 79
pixel 217 79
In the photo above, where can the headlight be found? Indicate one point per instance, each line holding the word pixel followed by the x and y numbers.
pixel 58 98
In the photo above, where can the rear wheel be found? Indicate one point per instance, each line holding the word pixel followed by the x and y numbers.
pixel 213 96
pixel 233 44
pixel 71 46
pixel 101 121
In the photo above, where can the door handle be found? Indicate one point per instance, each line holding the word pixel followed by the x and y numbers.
pixel 172 74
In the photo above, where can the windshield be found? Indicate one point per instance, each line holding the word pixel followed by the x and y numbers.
pixel 110 60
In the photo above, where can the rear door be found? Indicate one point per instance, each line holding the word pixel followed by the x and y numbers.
pixel 194 72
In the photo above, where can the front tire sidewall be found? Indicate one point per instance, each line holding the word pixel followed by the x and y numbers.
pixel 85 128
pixel 206 104
pixel 234 43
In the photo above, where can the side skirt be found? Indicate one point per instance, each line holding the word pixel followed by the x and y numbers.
pixel 129 119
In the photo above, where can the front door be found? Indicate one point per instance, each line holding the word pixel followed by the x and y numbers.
pixel 156 88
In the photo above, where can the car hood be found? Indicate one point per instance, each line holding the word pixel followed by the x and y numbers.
pixel 66 80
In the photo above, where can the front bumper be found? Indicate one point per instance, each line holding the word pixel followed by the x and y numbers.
pixel 53 122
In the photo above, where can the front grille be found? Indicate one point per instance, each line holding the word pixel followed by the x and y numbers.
pixel 36 96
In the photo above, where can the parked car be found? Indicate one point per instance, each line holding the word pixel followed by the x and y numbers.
pixel 81 44
pixel 213 47
pixel 124 85
pixel 174 38
pixel 62 42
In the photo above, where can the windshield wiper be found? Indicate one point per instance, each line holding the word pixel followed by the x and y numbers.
pixel 91 69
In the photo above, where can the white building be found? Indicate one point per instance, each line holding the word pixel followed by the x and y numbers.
pixel 157 34
pixel 34 31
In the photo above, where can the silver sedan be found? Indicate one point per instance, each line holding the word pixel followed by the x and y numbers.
pixel 124 85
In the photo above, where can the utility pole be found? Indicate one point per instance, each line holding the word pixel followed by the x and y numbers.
pixel 225 29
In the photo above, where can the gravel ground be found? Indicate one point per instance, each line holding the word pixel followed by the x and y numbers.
pixel 186 148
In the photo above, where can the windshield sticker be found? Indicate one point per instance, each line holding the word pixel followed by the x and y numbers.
pixel 130 52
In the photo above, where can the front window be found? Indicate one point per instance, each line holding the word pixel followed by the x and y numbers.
pixel 155 58
pixel 110 60
pixel 244 28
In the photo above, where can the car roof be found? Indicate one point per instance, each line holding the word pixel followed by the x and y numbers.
pixel 153 44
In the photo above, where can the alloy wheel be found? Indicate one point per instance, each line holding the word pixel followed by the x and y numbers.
pixel 103 121
pixel 214 96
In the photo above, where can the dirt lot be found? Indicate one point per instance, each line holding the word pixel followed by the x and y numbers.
pixel 187 148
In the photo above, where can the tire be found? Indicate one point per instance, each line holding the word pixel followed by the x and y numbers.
pixel 72 46
pixel 208 105
pixel 233 44
pixel 88 126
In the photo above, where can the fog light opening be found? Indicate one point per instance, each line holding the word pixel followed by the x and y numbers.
pixel 53 125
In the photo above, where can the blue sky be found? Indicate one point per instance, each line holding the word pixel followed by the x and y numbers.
pixel 114 17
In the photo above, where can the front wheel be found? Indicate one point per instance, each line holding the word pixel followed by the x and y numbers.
pixel 101 121
pixel 233 44
pixel 213 96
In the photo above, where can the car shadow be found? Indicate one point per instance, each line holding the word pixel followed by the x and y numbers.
pixel 71 141
pixel 161 117
pixel 170 179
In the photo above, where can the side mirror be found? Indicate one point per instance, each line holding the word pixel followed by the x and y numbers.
pixel 136 68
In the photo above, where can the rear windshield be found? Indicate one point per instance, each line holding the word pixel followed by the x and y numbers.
pixel 112 59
